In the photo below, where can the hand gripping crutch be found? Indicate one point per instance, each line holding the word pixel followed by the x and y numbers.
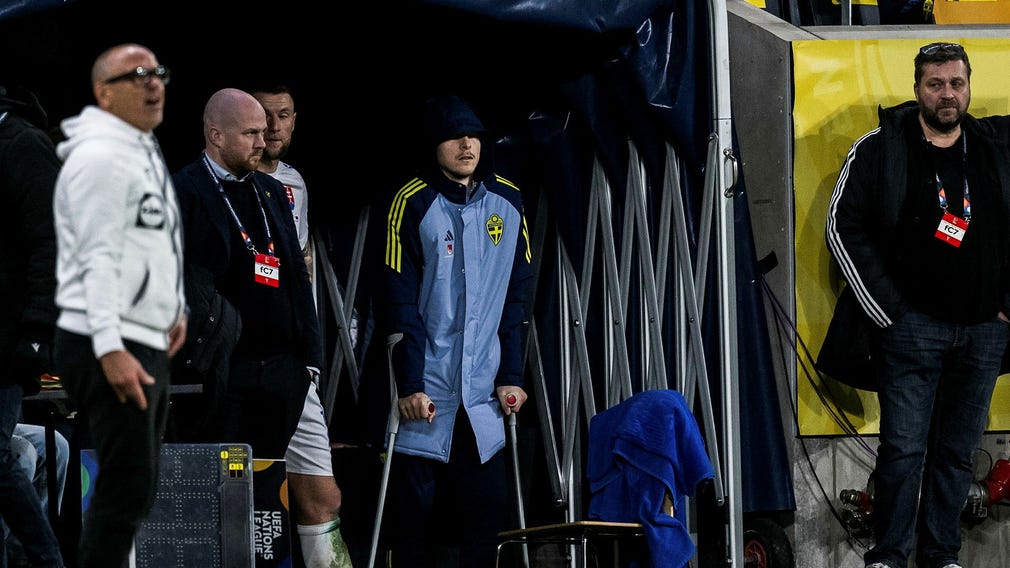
pixel 392 426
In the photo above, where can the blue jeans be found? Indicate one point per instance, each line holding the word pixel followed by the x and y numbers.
pixel 935 384
pixel 36 436
pixel 29 446
pixel 19 503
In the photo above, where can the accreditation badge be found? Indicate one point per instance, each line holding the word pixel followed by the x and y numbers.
pixel 267 270
pixel 951 229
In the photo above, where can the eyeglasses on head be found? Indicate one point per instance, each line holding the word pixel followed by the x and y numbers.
pixel 941 46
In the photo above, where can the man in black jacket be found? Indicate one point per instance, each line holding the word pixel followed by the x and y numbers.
pixel 919 224
pixel 241 245
pixel 28 170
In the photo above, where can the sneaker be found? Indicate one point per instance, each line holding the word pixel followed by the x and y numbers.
pixel 50 382
pixel 877 565
pixel 952 565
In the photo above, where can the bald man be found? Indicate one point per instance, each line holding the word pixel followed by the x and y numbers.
pixel 254 338
pixel 119 290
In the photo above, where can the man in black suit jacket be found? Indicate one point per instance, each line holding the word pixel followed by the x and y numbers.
pixel 242 256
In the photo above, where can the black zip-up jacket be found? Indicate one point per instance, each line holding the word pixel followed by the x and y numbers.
pixel 867 201
pixel 28 170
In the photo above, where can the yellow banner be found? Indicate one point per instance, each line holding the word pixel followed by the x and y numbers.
pixel 971 12
pixel 838 86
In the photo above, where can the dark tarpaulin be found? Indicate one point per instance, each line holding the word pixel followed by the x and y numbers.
pixel 13 8
pixel 587 15
pixel 667 35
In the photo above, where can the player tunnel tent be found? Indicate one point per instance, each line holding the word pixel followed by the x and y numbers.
pixel 614 122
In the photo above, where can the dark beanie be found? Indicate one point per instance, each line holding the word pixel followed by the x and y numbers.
pixel 448 118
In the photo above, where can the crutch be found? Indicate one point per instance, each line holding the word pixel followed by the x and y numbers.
pixel 510 399
pixel 392 426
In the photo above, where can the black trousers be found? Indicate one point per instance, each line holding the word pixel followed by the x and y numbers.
pixel 461 503
pixel 127 444
pixel 262 403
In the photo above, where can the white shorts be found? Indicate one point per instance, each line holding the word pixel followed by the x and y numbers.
pixel 309 449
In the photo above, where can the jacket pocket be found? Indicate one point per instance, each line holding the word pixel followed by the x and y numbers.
pixel 851 346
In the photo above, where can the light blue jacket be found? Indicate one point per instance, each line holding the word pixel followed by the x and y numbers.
pixel 457 275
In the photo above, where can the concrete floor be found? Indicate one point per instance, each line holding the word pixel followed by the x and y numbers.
pixel 819 540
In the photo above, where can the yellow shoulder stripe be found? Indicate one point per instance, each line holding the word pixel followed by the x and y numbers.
pixel 526 232
pixel 394 249
pixel 506 182
pixel 526 237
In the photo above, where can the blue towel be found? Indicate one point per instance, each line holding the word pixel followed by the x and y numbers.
pixel 639 451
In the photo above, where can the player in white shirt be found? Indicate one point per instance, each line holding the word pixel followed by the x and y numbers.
pixel 315 495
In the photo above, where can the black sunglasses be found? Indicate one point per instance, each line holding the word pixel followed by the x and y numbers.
pixel 143 75
pixel 934 47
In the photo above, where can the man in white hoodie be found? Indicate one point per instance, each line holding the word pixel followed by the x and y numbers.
pixel 119 290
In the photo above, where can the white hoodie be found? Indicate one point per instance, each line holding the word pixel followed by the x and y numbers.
pixel 119 248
